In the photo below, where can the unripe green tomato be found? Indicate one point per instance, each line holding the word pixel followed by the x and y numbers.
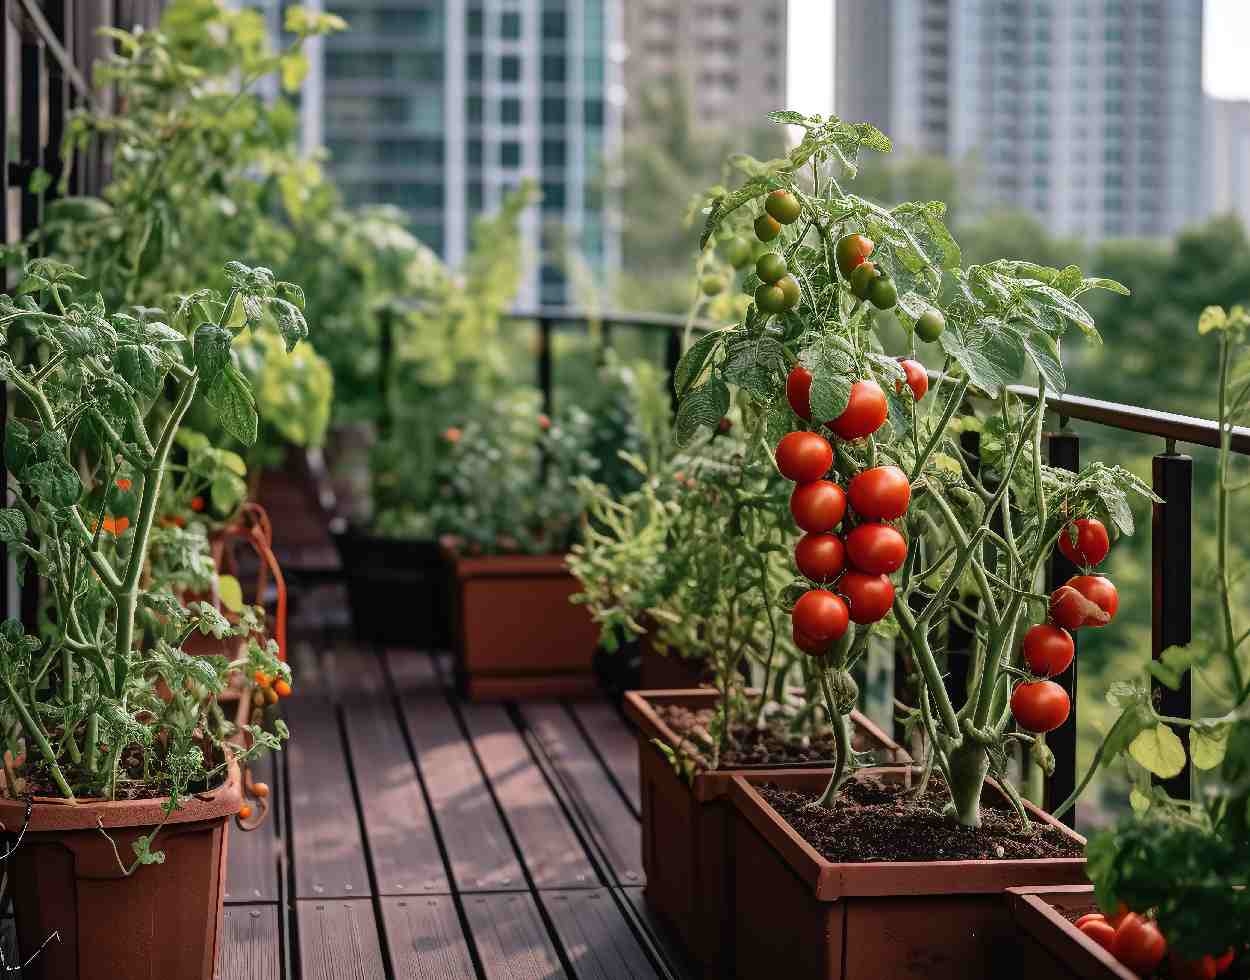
pixel 783 206
pixel 862 278
pixel 770 267
pixel 712 285
pixel 883 294
pixel 767 228
pixel 930 325
pixel 789 287
pixel 737 251
pixel 851 251
pixel 770 298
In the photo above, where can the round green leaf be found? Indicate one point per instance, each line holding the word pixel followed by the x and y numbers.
pixel 1207 745
pixel 1159 750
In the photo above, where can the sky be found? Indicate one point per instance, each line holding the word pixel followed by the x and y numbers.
pixel 809 75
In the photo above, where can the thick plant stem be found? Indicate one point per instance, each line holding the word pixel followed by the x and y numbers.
pixel 842 739
pixel 41 742
pixel 969 766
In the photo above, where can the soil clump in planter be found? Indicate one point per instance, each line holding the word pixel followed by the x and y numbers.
pixel 876 822
pixel 747 745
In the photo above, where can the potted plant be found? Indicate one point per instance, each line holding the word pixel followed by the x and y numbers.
pixel 898 534
pixel 1171 879
pixel 117 753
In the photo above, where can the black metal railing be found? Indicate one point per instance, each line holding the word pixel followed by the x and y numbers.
pixel 1172 480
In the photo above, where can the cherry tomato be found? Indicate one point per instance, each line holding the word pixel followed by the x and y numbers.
pixel 1222 963
pixel 261 679
pixel 789 287
pixel 260 790
pixel 820 557
pixel 1099 930
pixel 820 615
pixel 712 284
pixel 1139 944
pixel 737 251
pixel 783 206
pixel 767 228
pixel 798 391
pixel 245 811
pixel 1204 968
pixel 770 298
pixel 1092 543
pixel 852 251
pixel 804 456
pixel 817 648
pixel 1068 608
pixel 877 549
pixel 770 267
pixel 930 325
pixel 864 413
pixel 1048 650
pixel 880 494
pixel 1090 917
pixel 917 378
pixel 197 503
pixel 862 278
pixel 883 294
pixel 870 596
pixel 818 506
pixel 1040 706
pixel 282 689
pixel 1099 590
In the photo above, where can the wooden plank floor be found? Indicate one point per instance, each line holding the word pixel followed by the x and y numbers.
pixel 416 836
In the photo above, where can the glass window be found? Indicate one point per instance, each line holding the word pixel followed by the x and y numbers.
pixel 474 22
pixel 473 152
pixel 555 112
pixel 473 194
pixel 473 108
pixel 509 154
pixel 594 72
pixel 510 24
pixel 553 195
pixel 510 111
pixel 510 68
pixel 594 112
pixel 555 153
pixel 474 67
pixel 554 26
pixel 555 68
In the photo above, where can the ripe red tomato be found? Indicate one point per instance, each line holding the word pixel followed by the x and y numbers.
pixel 1204 968
pixel 817 648
pixel 820 615
pixel 1048 650
pixel 804 456
pixel 1092 543
pixel 1222 963
pixel 1099 590
pixel 1139 944
pixel 877 549
pixel 821 557
pixel 870 596
pixel 864 413
pixel 851 251
pixel 881 493
pixel 818 506
pixel 798 391
pixel 917 378
pixel 1068 608
pixel 1090 917
pixel 1098 929
pixel 1040 706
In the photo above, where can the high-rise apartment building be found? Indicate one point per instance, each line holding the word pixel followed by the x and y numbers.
pixel 1086 112
pixel 442 106
pixel 731 54
pixel 1226 157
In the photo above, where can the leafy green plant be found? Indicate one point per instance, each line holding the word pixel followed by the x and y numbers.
pixel 89 709
pixel 1188 862
pixel 972 544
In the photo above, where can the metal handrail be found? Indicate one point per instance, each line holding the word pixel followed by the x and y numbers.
pixel 49 38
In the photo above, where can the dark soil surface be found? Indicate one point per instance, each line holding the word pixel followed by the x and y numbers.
pixel 876 822
pixel 750 746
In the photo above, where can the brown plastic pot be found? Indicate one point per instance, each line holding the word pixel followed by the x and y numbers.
pixel 162 921
pixel 941 920
pixel 686 824
pixel 1051 947
pixel 668 671
pixel 517 634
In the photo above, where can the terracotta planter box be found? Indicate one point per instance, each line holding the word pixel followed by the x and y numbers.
pixel 1051 947
pixel 667 672
pixel 163 921
pixel 517 634
pixel 686 827
pixel 941 920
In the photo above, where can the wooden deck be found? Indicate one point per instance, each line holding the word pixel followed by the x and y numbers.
pixel 415 836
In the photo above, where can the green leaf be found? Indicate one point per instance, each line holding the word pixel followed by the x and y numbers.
pixel 230 592
pixel 143 366
pixel 1139 801
pixel 692 362
pixel 55 481
pixel 991 355
pixel 1208 744
pixel 227 492
pixel 726 205
pixel 1044 353
pixel 1159 750
pixel 12 525
pixel 705 406
pixel 757 364
pixel 212 350
pixel 1135 719
pixel 291 322
pixel 833 366
pixel 230 396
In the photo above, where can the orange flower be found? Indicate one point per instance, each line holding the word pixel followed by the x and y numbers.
pixel 452 435
pixel 123 484
pixel 197 503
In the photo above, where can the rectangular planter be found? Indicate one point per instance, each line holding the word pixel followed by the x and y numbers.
pixel 398 589
pixel 1051 947
pixel 940 920
pixel 517 634
pixel 685 826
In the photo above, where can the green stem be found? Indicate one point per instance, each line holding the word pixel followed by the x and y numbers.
pixel 39 738
pixel 842 740
pixel 935 439
pixel 969 765
pixel 919 642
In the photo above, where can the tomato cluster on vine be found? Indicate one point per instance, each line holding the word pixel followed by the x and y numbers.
pixel 1138 943
pixel 1085 600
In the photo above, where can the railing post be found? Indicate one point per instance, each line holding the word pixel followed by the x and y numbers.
pixel 672 355
pixel 34 109
pixel 386 355
pixel 1064 452
pixel 1171 557
pixel 545 367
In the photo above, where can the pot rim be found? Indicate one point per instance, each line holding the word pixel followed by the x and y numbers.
pixel 507 566
pixel 49 814
pixel 1034 912
pixel 830 881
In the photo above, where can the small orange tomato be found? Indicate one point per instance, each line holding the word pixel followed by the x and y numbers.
pixel 261 678
pixel 282 688
pixel 245 811
pixel 123 484
pixel 260 790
